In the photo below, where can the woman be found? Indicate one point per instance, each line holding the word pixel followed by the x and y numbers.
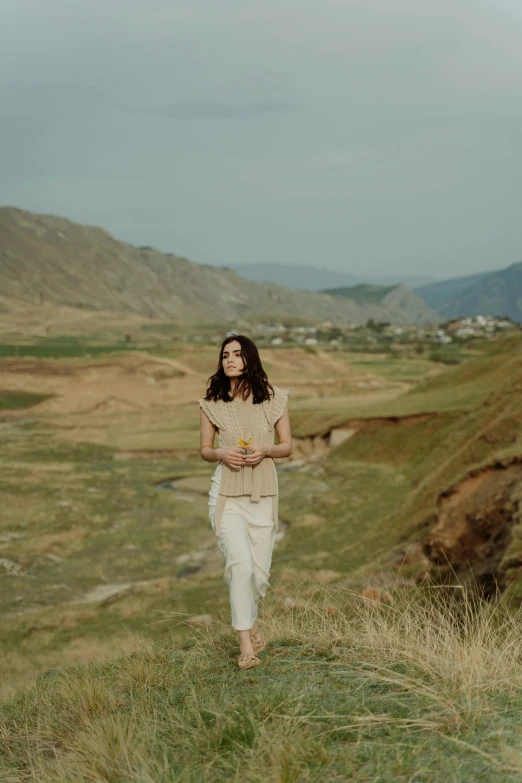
pixel 244 409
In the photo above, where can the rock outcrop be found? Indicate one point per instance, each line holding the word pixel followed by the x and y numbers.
pixel 478 532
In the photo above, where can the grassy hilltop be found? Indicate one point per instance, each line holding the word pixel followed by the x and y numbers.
pixel 402 466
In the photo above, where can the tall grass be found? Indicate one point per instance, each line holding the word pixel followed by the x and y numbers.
pixel 422 687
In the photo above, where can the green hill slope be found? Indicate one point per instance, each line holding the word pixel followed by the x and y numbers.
pixel 388 481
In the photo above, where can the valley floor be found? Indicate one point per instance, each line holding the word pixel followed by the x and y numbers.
pixel 420 689
pixel 406 474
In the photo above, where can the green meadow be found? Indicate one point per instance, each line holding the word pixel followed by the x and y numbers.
pixel 373 672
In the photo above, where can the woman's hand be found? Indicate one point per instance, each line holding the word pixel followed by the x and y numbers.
pixel 232 457
pixel 257 453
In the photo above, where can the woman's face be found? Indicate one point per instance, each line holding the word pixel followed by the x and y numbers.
pixel 232 360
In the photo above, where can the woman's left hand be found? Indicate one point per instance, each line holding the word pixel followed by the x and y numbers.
pixel 257 454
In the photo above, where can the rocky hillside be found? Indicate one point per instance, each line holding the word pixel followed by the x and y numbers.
pixel 437 294
pixel 48 258
pixel 498 294
pixel 389 297
pixel 487 293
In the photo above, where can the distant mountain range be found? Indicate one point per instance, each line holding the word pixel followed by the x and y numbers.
pixel 49 258
pixel 364 293
pixel 312 278
pixel 500 293
pixel 485 293
pixel 438 294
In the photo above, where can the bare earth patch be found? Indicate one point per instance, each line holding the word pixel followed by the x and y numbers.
pixel 479 522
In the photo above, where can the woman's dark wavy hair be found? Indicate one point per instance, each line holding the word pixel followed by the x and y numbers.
pixel 253 378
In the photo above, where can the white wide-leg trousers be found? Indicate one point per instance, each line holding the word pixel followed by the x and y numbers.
pixel 247 535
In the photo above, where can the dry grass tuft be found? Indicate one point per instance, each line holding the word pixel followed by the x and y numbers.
pixel 340 693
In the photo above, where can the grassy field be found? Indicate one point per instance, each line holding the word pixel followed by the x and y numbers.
pixel 106 551
pixel 18 400
pixel 418 689
pixel 82 507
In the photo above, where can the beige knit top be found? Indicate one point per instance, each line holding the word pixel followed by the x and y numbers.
pixel 240 419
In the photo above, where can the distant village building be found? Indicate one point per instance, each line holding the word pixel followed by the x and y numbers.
pixel 455 324
pixel 442 337
pixel 483 326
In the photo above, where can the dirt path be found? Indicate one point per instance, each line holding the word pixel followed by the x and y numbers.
pixel 182 366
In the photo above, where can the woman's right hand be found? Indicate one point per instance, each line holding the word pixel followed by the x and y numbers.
pixel 233 457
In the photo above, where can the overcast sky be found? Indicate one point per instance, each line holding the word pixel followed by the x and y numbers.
pixel 370 136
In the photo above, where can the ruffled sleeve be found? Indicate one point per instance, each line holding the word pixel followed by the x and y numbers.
pixel 211 409
pixel 278 404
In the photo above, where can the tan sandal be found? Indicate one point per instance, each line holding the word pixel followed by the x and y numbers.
pixel 247 661
pixel 258 642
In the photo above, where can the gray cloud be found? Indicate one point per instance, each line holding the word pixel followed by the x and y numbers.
pixel 212 110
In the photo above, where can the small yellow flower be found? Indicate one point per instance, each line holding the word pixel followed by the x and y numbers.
pixel 244 444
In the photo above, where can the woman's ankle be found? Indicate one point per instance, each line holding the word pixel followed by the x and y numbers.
pixel 245 642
